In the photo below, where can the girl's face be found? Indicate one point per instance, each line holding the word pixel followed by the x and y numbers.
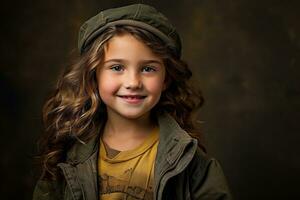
pixel 131 77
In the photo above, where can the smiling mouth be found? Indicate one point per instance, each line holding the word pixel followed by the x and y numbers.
pixel 132 96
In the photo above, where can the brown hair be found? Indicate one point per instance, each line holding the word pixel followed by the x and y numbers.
pixel 74 111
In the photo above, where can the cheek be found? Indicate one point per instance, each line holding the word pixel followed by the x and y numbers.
pixel 107 86
pixel 155 85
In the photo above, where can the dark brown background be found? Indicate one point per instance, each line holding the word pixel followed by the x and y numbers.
pixel 244 54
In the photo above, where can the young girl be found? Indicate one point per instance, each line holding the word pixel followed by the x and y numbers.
pixel 119 124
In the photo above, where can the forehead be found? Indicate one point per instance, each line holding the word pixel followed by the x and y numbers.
pixel 127 46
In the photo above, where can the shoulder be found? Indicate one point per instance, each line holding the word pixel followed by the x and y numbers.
pixel 48 190
pixel 207 177
pixel 200 162
pixel 203 164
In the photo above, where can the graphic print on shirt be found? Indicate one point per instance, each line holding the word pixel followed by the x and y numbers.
pixel 128 174
pixel 121 185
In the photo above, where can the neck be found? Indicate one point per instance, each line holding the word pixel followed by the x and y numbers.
pixel 123 134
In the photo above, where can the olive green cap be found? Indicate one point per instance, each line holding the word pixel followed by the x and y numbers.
pixel 140 15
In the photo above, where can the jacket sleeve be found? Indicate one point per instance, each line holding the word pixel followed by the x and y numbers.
pixel 208 181
pixel 46 190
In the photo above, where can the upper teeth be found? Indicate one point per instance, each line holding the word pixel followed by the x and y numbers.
pixel 132 97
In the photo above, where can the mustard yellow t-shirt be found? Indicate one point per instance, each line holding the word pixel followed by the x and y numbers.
pixel 129 174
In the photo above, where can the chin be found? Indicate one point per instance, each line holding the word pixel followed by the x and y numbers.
pixel 134 115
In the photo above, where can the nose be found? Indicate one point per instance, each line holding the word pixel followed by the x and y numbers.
pixel 133 81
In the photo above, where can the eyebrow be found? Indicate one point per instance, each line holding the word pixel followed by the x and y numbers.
pixel 126 61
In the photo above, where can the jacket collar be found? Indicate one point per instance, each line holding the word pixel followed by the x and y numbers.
pixel 172 139
pixel 171 135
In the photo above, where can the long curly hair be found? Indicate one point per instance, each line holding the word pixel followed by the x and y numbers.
pixel 74 111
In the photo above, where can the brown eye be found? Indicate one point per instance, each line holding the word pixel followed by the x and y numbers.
pixel 116 68
pixel 148 69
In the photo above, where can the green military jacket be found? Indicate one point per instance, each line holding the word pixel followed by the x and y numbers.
pixel 182 170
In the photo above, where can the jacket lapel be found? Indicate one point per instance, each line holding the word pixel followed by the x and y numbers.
pixel 175 150
pixel 80 170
